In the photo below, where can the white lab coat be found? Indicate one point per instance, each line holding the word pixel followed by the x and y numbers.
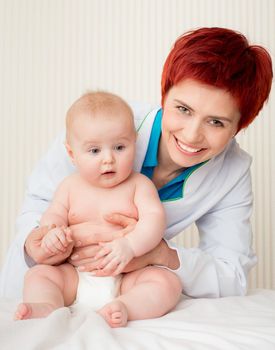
pixel 217 197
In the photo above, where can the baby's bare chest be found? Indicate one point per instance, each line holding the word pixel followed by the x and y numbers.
pixel 92 204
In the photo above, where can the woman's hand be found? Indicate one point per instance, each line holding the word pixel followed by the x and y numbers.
pixel 87 237
pixel 38 254
pixel 161 255
pixel 88 233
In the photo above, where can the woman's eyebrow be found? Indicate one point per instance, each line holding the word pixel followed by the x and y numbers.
pixel 229 120
pixel 184 104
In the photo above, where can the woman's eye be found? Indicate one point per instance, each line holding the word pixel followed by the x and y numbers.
pixel 216 122
pixel 183 109
pixel 119 148
pixel 94 150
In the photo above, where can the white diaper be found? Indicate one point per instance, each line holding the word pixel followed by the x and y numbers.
pixel 94 291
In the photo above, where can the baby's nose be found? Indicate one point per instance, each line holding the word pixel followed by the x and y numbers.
pixel 108 157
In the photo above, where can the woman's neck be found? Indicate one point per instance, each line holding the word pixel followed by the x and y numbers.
pixel 166 170
pixel 161 176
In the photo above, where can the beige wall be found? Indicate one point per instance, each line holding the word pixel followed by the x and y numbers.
pixel 51 51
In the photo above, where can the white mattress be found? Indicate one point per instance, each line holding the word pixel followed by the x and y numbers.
pixel 224 324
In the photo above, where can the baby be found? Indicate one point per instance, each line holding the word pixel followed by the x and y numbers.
pixel 100 139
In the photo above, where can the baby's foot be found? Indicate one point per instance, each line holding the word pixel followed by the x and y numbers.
pixel 32 310
pixel 115 313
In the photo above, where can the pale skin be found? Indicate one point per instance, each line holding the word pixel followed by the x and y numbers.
pixel 105 174
pixel 199 120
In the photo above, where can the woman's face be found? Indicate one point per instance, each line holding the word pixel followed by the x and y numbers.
pixel 198 122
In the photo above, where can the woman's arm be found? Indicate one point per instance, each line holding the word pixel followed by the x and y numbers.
pixel 162 254
pixel 46 176
pixel 48 173
pixel 86 236
pixel 219 266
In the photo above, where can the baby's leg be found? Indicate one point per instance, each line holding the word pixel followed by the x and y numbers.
pixel 47 288
pixel 147 293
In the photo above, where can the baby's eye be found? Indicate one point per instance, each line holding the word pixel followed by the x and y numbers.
pixel 94 150
pixel 119 148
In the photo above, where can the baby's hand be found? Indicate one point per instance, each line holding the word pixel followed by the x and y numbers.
pixel 57 240
pixel 116 255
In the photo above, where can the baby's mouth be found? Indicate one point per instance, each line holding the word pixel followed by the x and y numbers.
pixel 108 172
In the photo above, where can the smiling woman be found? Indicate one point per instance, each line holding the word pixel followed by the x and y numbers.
pixel 198 122
pixel 214 83
pixel 227 62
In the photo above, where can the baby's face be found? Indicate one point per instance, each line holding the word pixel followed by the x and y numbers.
pixel 103 148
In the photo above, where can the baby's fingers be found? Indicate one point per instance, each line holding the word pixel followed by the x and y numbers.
pixel 69 235
pixel 60 240
pixel 111 267
pixel 56 245
pixel 105 250
pixel 49 247
pixel 118 270
pixel 45 247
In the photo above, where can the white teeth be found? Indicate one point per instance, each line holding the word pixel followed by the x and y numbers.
pixel 187 148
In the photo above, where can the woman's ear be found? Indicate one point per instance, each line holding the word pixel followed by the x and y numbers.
pixel 69 151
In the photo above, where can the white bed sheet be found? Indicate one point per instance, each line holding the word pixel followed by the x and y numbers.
pixel 196 324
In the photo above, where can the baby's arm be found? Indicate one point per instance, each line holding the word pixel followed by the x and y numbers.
pixel 57 212
pixel 59 237
pixel 147 234
pixel 151 223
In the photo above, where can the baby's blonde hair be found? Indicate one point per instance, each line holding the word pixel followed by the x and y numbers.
pixel 93 102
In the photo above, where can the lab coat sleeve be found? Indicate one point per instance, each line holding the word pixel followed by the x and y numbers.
pixel 219 266
pixel 48 173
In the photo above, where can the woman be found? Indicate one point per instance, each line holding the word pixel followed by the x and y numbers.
pixel 213 85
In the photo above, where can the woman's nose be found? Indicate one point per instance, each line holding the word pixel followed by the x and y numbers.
pixel 193 132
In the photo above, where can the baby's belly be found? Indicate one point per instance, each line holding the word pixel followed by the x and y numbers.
pixel 97 215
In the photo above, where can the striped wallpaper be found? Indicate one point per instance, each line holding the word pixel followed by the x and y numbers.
pixel 51 51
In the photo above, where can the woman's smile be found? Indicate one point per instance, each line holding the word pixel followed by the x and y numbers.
pixel 198 122
pixel 188 149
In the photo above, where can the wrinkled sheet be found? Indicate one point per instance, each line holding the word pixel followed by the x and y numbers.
pixel 224 324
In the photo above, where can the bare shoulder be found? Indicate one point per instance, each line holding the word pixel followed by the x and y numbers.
pixel 142 180
pixel 69 180
pixel 146 194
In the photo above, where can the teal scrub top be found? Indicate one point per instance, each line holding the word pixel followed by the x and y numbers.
pixel 173 189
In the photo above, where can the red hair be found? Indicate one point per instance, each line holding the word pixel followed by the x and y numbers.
pixel 223 58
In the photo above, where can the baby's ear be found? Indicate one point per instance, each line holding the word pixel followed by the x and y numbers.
pixel 69 151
